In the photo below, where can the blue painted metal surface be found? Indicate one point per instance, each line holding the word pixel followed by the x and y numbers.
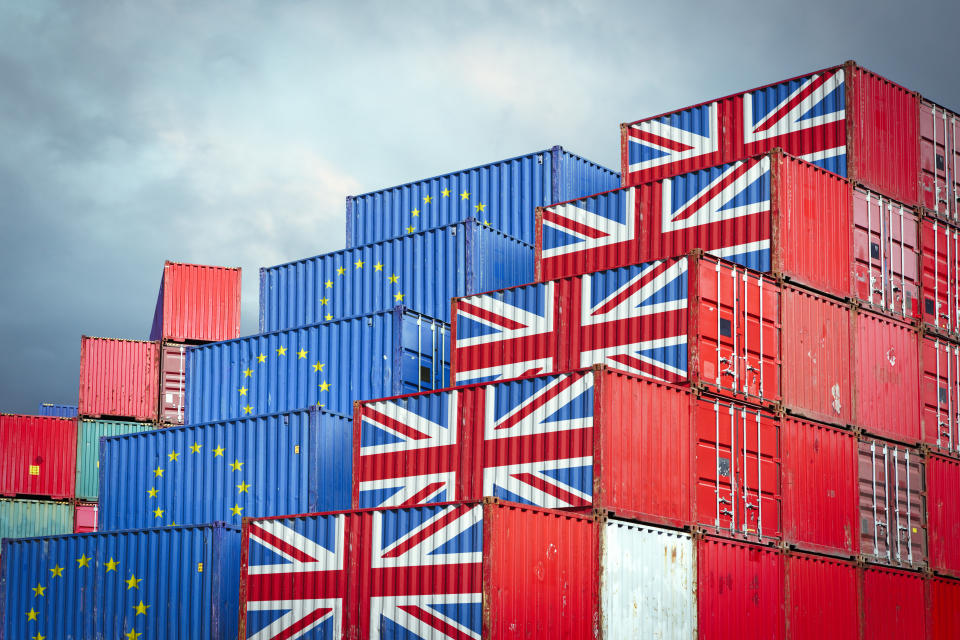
pixel 331 364
pixel 294 462
pixel 421 271
pixel 503 193
pixel 170 582
pixel 57 410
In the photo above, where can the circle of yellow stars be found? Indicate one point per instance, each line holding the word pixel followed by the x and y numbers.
pixel 281 352
pixel 195 449
pixel 479 208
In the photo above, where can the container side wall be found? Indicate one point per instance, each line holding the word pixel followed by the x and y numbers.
pixel 89 433
pixel 57 410
pixel 576 177
pixel 39 456
pixel 821 598
pixel 500 261
pixel 944 604
pixel 32 518
pixel 943 487
pixel 893 604
pixel 940 393
pixel 200 303
pixel 119 378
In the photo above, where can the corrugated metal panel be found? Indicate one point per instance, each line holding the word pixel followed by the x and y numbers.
pixel 886 376
pixel 816 351
pixel 693 319
pixel 893 604
pixel 893 504
pixel 648 584
pixel 173 382
pixel 943 487
pixel 421 271
pixel 85 517
pixel 821 598
pixel 820 510
pixel 89 433
pixel 197 303
pixel 39 456
pixel 940 393
pixel 119 378
pixel 740 590
pixel 57 410
pixel 943 601
pixel 940 275
pixel 173 582
pixel 771 213
pixel 503 193
pixel 270 465
pixel 30 518
pixel 939 161
pixel 400 352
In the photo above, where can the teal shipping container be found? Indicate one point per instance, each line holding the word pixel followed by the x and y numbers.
pixel 30 518
pixel 89 433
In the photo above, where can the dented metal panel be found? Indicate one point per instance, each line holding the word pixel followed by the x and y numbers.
pixel 89 433
pixel 893 604
pixel 39 456
pixel 939 161
pixel 940 268
pixel 821 598
pixel 119 378
pixel 197 303
pixel 943 488
pixel 940 393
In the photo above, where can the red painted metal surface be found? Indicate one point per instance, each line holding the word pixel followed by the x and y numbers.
pixel 943 604
pixel 939 161
pixel 39 456
pixel 820 511
pixel 943 491
pixel 940 393
pixel 892 503
pixel 197 303
pixel 940 275
pixel 173 380
pixel 885 376
pixel 85 517
pixel 893 604
pixel 740 591
pixel 119 378
pixel 821 598
pixel 815 335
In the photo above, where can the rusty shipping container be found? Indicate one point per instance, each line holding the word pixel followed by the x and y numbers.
pixel 197 303
pixel 940 393
pixel 821 598
pixel 173 382
pixel 845 118
pixel 943 490
pixel 119 378
pixel 893 604
pixel 943 605
pixel 940 276
pixel 694 320
pixel 39 456
pixel 939 161
pixel 85 517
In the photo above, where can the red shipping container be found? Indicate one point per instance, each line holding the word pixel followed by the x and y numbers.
pixel 39 456
pixel 943 603
pixel 695 319
pixel 939 161
pixel 940 393
pixel 815 338
pixel 886 376
pixel 821 598
pixel 943 490
pixel 119 378
pixel 85 517
pixel 893 504
pixel 197 303
pixel 845 118
pixel 940 266
pixel 173 379
pixel 820 511
pixel 740 591
pixel 893 604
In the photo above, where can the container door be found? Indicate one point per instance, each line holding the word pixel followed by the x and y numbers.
pixel 940 393
pixel 910 506
pixel 172 383
pixel 874 507
pixel 939 161
pixel 424 357
pixel 940 278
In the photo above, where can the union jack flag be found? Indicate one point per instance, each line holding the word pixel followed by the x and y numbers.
pixel 806 117
pixel 512 441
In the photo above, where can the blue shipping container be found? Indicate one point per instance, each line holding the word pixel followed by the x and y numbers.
pixel 171 582
pixel 503 193
pixel 295 462
pixel 330 365
pixel 421 271
pixel 57 410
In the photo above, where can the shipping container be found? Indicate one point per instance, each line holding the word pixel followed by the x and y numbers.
pixel 57 410
pixel 740 591
pixel 502 194
pixel 772 213
pixel 171 582
pixel 845 119
pixel 939 161
pixel 173 382
pixel 815 351
pixel 421 271
pixel 940 268
pixel 591 438
pixel 25 518
pixel 886 376
pixel 89 433
pixel 270 465
pixel 329 365
pixel 893 604
pixel 893 503
pixel 197 303
pixel 943 603
pixel 821 598
pixel 820 511
pixel 943 491
pixel 119 378
pixel 85 517
pixel 693 320
pixel 940 393
pixel 39 456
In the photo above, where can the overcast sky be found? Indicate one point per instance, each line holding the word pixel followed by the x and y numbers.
pixel 230 132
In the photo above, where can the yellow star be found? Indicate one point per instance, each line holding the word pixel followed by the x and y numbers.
pixel 445 192
pixel 378 267
pixel 324 301
pixel 329 284
pixel 340 271
pixel 248 373
pixel 236 509
pixel 410 229
pixel 172 524
pixel 415 212
pixel 57 571
pixel 427 199
pixel 38 590
pixel 393 278
pixel 479 207
pixel 324 386
pixel 235 465
pixel 328 317
pixel 173 455
pixel 195 447
pixel 133 635
pixel 318 366
pixel 133 582
pixel 141 608
pixel 247 410
pixel 242 487
pixel 31 615
pixel 152 492
pixel 218 452
pixel 358 264
pixel 111 565
pixel 261 358
pixel 158 513
pixel 398 297
pixel 302 354
pixel 282 351
pixel 83 561
pixel 486 222
pixel 38 637
pixel 243 391
pixel 158 473
pixel 464 195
